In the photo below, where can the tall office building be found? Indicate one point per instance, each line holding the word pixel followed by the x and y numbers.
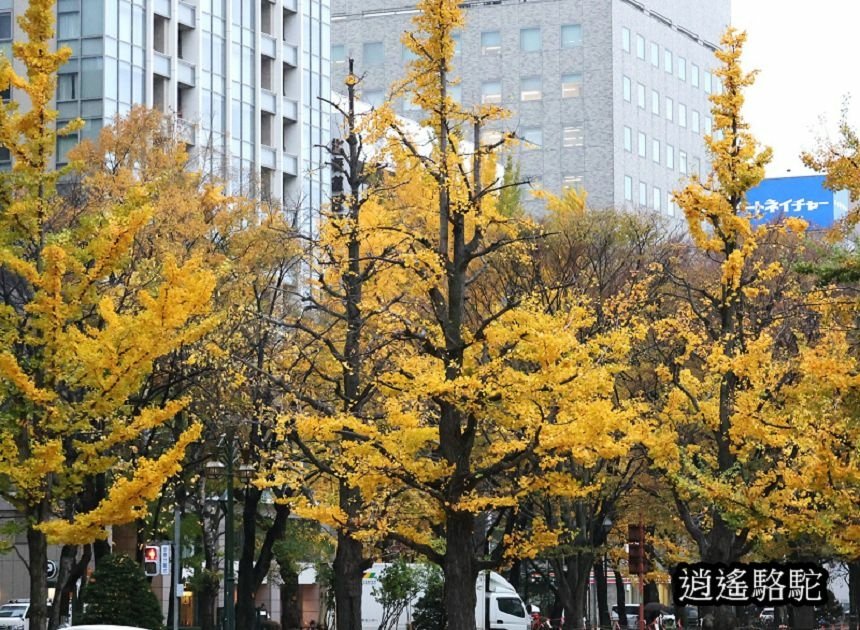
pixel 241 76
pixel 609 95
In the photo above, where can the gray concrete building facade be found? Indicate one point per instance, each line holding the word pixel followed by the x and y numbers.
pixel 608 95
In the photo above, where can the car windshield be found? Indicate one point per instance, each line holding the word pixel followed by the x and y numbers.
pixel 12 611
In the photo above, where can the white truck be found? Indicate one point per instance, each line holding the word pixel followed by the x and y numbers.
pixel 507 611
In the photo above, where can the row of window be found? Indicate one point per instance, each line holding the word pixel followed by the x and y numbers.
pixel 532 137
pixel 531 88
pixel 672 112
pixel 655 201
pixel 531 40
pixel 676 65
pixel 657 155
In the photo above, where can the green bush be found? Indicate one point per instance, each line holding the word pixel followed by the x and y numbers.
pixel 119 593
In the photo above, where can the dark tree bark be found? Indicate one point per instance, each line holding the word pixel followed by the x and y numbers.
pixel 37 549
pixel 620 597
pixel 602 600
pixel 854 594
pixel 349 565
pixel 291 612
pixel 460 571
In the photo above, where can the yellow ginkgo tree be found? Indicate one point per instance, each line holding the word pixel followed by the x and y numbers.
pixel 753 360
pixel 77 343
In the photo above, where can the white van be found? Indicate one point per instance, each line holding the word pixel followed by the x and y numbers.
pixel 507 611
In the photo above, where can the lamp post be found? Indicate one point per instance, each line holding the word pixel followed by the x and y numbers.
pixel 224 468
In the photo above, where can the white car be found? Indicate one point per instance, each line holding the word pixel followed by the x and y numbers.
pixel 13 615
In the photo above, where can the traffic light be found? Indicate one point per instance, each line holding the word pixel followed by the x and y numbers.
pixel 637 559
pixel 150 560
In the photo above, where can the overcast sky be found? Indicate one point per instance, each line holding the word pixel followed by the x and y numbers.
pixel 807 54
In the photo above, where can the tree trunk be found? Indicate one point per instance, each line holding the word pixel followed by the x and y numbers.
pixel 854 594
pixel 620 598
pixel 803 618
pixel 291 613
pixel 602 600
pixel 66 578
pixel 208 597
pixel 37 548
pixel 460 572
pixel 348 569
pixel 246 589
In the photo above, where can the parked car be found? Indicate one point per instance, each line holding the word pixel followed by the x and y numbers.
pixel 13 615
pixel 632 615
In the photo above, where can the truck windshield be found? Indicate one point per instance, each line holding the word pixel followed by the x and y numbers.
pixel 511 606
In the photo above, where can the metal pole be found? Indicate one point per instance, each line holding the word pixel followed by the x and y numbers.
pixel 177 560
pixel 229 578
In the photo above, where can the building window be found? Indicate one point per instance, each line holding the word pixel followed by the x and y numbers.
pixel 625 39
pixel 694 75
pixel 456 92
pixel 373 54
pixel 643 141
pixel 655 54
pixel 655 102
pixel 670 107
pixel 457 47
pixel 64 145
pixel 160 27
pixel 682 115
pixel 530 39
pixel 571 85
pixel 707 82
pixel 491 43
pixel 695 121
pixel 625 82
pixel 69 25
pixel 655 150
pixel 374 98
pixel 670 205
pixel 532 138
pixel 628 188
pixel 697 167
pixel 682 68
pixel 67 87
pixel 91 77
pixel 491 92
pixel 667 60
pixel 640 95
pixel 5 26
pixel 656 197
pixel 267 74
pixel 670 156
pixel 530 89
pixel 266 21
pixel 682 162
pixel 709 125
pixel 643 194
pixel 338 53
pixel 571 36
pixel 571 181
pixel 573 137
pixel 406 53
pixel 628 139
pixel 640 46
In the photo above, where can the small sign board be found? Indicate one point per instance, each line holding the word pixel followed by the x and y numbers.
pixel 52 569
pixel 165 559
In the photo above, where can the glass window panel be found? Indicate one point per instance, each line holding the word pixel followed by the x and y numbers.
pixel 628 139
pixel 69 25
pixel 643 142
pixel 695 121
pixel 571 35
pixel 694 75
pixel 628 188
pixel 682 115
pixel 491 92
pixel 67 87
pixel 532 138
pixel 655 102
pixel 457 44
pixel 338 53
pixel 530 39
pixel 373 54
pixel 682 162
pixel 571 85
pixel 640 46
pixel 5 26
pixel 625 81
pixel 491 42
pixel 643 194
pixel 640 95
pixel 670 108
pixel 708 78
pixel 92 17
pixel 655 150
pixel 670 156
pixel 667 60
pixel 625 39
pixel 656 198
pixel 573 136
pixel 124 21
pixel 682 68
pixel 374 98
pixel 655 54
pixel 91 78
pixel 64 145
pixel 530 89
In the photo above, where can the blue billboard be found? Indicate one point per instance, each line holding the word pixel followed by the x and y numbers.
pixel 804 197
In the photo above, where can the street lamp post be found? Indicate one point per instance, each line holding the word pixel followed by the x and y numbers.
pixel 224 468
